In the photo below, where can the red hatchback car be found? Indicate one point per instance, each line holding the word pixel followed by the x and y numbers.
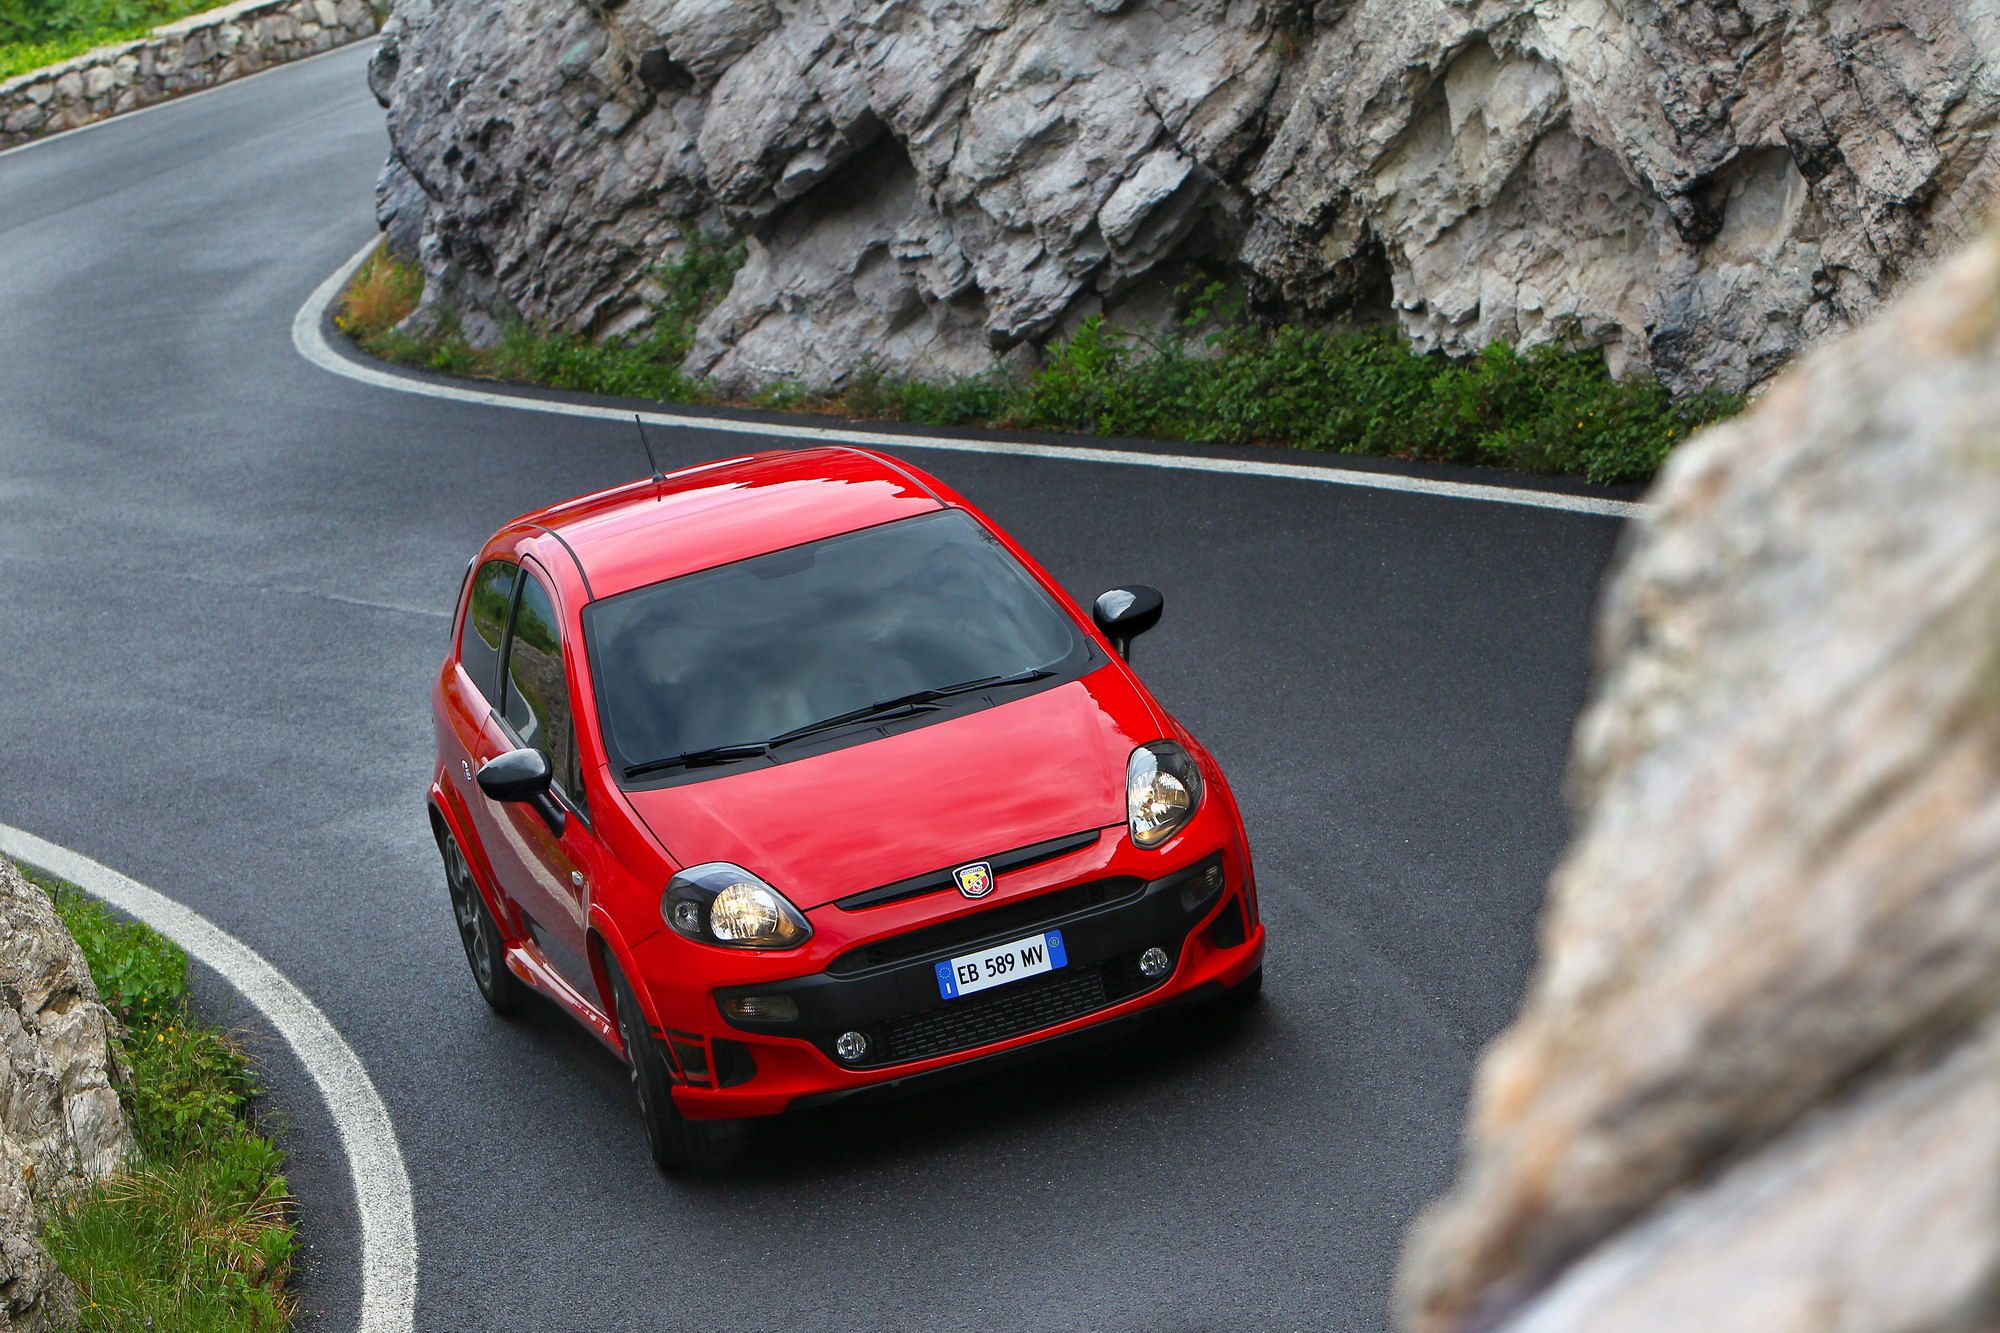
pixel 791 776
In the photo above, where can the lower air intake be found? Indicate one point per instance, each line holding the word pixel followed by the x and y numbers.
pixel 961 1024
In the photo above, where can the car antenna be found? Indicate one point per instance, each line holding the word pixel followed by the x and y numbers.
pixel 647 445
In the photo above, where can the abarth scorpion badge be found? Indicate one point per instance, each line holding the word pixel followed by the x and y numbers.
pixel 975 880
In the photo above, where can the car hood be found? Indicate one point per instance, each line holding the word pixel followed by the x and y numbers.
pixel 917 801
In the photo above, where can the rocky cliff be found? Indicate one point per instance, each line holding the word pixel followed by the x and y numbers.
pixel 1755 1084
pixel 1697 188
pixel 60 1120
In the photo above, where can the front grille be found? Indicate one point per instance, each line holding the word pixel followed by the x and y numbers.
pixel 976 1020
pixel 1018 917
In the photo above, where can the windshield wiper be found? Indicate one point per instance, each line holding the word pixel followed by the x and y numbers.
pixel 915 701
pixel 714 754
pixel 880 711
pixel 989 683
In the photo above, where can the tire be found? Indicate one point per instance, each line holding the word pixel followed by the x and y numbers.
pixel 680 1146
pixel 479 933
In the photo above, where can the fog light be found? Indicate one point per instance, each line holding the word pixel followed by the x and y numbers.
pixel 762 1008
pixel 851 1046
pixel 1153 964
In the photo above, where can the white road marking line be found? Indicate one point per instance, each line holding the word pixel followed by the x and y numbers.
pixel 183 99
pixel 310 339
pixel 381 1182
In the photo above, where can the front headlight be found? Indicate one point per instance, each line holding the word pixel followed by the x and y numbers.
pixel 720 903
pixel 1162 792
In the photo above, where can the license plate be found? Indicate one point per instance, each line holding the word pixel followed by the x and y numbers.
pixel 971 973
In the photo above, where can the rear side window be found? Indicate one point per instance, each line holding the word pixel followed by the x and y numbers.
pixel 537 702
pixel 485 622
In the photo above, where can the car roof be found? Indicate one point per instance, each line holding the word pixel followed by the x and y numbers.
pixel 728 510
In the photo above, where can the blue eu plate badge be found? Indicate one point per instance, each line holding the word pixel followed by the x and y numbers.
pixel 971 973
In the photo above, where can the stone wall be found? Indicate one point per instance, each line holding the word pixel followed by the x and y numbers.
pixel 60 1120
pixel 196 52
pixel 1698 188
pixel 1755 1084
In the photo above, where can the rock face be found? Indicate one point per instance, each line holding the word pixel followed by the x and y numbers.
pixel 1696 188
pixel 60 1121
pixel 1756 1080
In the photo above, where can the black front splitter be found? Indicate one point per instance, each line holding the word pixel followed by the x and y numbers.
pixel 979 1066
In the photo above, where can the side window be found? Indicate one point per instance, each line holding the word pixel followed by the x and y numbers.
pixel 537 695
pixel 485 620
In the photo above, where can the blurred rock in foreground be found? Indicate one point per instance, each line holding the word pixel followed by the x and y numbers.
pixel 1755 1083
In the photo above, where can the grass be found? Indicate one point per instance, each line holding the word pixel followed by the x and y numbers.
pixel 196 1234
pixel 384 290
pixel 37 33
pixel 1218 377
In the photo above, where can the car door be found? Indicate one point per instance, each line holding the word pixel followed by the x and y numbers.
pixel 470 704
pixel 546 872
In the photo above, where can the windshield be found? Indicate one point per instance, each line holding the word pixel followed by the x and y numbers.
pixel 750 651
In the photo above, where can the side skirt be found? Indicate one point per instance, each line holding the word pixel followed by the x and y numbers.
pixel 526 960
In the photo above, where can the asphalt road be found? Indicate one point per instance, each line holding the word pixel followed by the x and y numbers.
pixel 223 573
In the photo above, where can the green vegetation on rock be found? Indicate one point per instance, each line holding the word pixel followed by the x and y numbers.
pixel 384 291
pixel 1219 378
pixel 35 33
pixel 196 1234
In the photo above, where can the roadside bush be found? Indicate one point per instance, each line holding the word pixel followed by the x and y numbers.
pixel 645 365
pixel 1217 377
pixel 960 402
pixel 381 294
pixel 196 1235
pixel 34 33
pixel 1548 411
pixel 140 974
pixel 691 284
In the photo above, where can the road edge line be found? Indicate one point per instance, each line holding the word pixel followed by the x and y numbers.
pixel 309 338
pixel 375 1163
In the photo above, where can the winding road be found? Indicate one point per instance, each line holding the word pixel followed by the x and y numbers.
pixel 224 574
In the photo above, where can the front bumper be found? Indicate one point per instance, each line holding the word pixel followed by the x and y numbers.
pixel 881 980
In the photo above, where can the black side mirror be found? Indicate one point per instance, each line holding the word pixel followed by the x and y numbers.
pixel 1126 613
pixel 523 775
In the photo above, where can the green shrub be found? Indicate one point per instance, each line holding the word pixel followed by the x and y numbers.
pixel 1085 383
pixel 196 1234
pixel 782 396
pixel 140 973
pixel 1363 392
pixel 1216 377
pixel 34 33
pixel 960 402
pixel 692 282
pixel 382 292
pixel 644 365
pixel 191 1087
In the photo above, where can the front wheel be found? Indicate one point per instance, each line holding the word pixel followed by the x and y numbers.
pixel 485 951
pixel 679 1145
